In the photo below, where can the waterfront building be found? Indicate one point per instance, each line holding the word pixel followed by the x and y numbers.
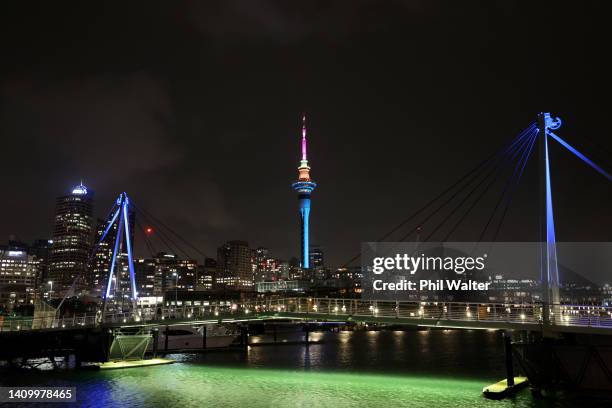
pixel 282 286
pixel 18 273
pixel 513 290
pixel 164 273
pixel 234 266
pixel 148 278
pixel 206 274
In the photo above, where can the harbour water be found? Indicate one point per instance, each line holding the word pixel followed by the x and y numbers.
pixel 348 369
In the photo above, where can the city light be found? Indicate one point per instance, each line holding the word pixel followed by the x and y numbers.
pixel 197 126
pixel 79 190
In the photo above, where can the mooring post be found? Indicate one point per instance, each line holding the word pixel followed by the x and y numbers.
pixel 244 339
pixel 155 340
pixel 166 339
pixel 508 350
pixel 77 359
pixel 307 334
pixel 204 337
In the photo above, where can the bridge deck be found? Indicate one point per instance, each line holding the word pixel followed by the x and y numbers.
pixel 565 318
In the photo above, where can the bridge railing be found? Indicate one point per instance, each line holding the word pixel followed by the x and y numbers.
pixel 566 315
pixel 460 311
pixel 424 312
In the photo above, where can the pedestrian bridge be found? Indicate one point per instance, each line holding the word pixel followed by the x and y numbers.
pixel 464 315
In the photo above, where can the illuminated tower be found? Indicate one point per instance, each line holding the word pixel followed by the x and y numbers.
pixel 304 187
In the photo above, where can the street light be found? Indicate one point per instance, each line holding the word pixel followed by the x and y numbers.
pixel 51 288
pixel 175 288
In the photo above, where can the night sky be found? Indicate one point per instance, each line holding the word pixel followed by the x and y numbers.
pixel 193 108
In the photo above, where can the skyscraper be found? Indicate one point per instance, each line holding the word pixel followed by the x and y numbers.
pixel 100 263
pixel 317 258
pixel 260 255
pixel 234 266
pixel 165 273
pixel 72 238
pixel 304 187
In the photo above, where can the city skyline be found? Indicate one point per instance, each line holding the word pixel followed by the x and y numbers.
pixel 176 127
pixel 371 203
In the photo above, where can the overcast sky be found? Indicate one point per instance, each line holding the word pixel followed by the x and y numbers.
pixel 193 108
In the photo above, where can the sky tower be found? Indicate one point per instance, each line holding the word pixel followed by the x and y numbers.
pixel 304 187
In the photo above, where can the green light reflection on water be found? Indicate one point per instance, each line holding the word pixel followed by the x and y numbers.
pixel 189 385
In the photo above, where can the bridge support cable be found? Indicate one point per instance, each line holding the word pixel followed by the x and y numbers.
pixel 456 185
pixel 493 175
pixel 510 196
pixel 503 194
pixel 600 153
pixel 580 155
pixel 525 154
pixel 170 230
pixel 147 241
pixel 165 238
pixel 499 157
pixel 460 181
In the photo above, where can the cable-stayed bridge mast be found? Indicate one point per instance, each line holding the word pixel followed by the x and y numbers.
pixel 121 222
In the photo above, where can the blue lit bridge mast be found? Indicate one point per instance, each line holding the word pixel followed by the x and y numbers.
pixel 120 218
pixel 550 271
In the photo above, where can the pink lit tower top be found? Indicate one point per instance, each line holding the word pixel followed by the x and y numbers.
pixel 304 187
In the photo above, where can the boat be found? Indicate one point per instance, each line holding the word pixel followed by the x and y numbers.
pixel 501 388
pixel 188 337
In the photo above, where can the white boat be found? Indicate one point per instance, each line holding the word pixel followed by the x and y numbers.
pixel 184 337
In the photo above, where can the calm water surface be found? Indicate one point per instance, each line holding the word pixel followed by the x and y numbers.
pixel 347 369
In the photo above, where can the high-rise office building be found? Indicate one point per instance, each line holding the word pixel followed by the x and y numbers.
pixel 40 249
pixel 187 270
pixel 234 266
pixel 260 256
pixel 100 263
pixel 72 239
pixel 317 258
pixel 304 187
pixel 18 272
pixel 207 274
pixel 163 273
pixel 148 277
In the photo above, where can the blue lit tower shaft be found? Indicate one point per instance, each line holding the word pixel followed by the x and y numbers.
pixel 304 199
pixel 304 187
